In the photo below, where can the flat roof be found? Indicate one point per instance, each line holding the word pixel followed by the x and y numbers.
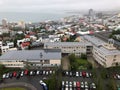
pixel 45 54
pixel 94 40
pixel 82 43
pixel 109 52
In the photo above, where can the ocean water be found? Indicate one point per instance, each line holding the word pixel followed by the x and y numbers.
pixel 32 16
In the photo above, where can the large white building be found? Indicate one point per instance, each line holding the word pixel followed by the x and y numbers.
pixel 104 53
pixel 40 58
pixel 69 47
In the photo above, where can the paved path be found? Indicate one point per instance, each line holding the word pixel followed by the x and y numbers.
pixel 21 84
pixel 65 63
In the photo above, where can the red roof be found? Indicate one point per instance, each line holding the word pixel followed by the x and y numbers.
pixel 27 36
pixel 24 44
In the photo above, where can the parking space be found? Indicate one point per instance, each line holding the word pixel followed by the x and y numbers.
pixel 29 76
pixel 78 80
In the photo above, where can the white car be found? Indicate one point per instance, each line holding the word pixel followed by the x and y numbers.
pixel 22 73
pixel 38 72
pixel 77 74
pixel 31 72
pixel 93 86
pixel 86 84
pixel 4 76
pixel 87 74
pixel 70 84
pixel 7 75
pixel 82 85
pixel 74 83
pixel 41 82
pixel 66 84
pixel 118 76
pixel 63 83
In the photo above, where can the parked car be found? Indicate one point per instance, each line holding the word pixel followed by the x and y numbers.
pixel 4 76
pixel 77 74
pixel 84 74
pixel 70 74
pixel 22 73
pixel 26 72
pixel 41 72
pixel 63 83
pixel 7 75
pixel 80 74
pixel 82 85
pixel 70 84
pixel 87 74
pixel 66 84
pixel 86 85
pixel 18 75
pixel 74 83
pixel 14 74
pixel 77 84
pixel 118 76
pixel 37 72
pixel 11 75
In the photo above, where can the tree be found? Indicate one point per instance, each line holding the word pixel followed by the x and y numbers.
pixel 83 56
pixel 72 58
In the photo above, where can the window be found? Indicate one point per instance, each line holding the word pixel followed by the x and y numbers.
pixel 114 59
pixel 115 56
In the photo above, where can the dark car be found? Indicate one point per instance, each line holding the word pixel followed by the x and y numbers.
pixel 11 75
pixel 18 75
pixel 41 72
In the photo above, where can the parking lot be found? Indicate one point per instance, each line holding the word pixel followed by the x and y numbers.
pixel 32 77
pixel 77 80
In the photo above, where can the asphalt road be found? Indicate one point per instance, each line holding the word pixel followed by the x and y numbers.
pixel 33 80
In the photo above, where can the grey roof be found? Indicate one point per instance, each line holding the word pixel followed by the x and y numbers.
pixel 59 44
pixel 94 40
pixel 45 54
pixel 109 52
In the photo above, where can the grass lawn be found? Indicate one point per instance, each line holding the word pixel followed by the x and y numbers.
pixel 83 63
pixel 15 88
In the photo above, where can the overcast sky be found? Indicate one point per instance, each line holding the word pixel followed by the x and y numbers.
pixel 48 5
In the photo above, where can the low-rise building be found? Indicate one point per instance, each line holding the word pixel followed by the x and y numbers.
pixel 69 47
pixel 104 53
pixel 39 58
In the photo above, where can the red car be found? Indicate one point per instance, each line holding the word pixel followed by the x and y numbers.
pixel 77 84
pixel 26 72
pixel 84 74
pixel 14 74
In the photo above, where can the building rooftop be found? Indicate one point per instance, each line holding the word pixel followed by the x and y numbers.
pixel 106 51
pixel 94 40
pixel 45 54
pixel 82 43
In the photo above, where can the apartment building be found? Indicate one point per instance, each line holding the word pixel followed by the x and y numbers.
pixel 104 53
pixel 69 47
pixel 39 58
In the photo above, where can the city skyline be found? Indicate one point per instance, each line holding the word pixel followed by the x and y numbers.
pixel 59 5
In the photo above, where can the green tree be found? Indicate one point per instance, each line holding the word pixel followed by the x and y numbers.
pixel 83 56
pixel 72 58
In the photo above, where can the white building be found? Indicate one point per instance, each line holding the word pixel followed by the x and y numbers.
pixel 4 49
pixel 69 47
pixel 104 53
pixel 39 58
pixel 4 22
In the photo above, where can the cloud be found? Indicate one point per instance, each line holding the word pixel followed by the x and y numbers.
pixel 36 5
